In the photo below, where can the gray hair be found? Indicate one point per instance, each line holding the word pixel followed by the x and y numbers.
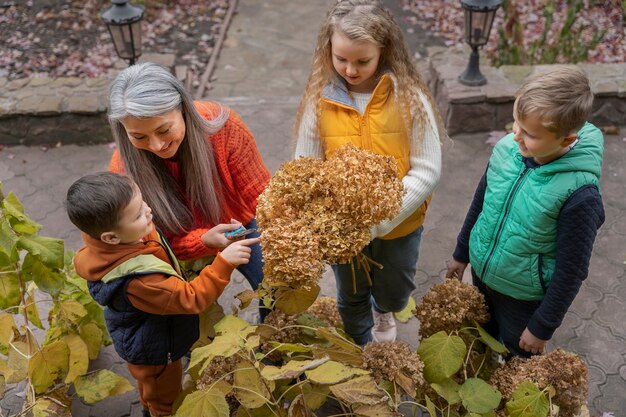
pixel 149 90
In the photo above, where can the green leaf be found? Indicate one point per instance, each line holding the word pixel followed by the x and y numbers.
pixel 295 300
pixel 448 389
pixel 407 313
pixel 7 332
pixel 230 324
pixel 224 345
pixel 442 355
pixel 489 340
pixel 92 336
pixel 47 365
pixel 71 312
pixel 21 222
pixel 17 362
pixel 8 240
pixel 478 396
pixel 46 408
pixel 47 280
pixel 430 406
pixel 331 334
pixel 375 410
pixel 528 401
pixel 31 307
pixel 47 249
pixel 9 289
pixel 210 403
pixel 99 385
pixel 315 395
pixel 250 389
pixel 290 347
pixel 333 372
pixel 79 357
pixel 291 370
pixel 208 319
pixel 362 390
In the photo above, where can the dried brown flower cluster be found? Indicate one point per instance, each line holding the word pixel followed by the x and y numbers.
pixel 392 360
pixel 325 309
pixel 218 367
pixel 450 306
pixel 317 211
pixel 565 371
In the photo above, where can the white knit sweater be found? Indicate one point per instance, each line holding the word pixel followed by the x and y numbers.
pixel 425 160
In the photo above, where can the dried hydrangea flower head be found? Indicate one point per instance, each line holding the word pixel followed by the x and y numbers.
pixel 325 309
pixel 564 371
pixel 316 211
pixel 450 306
pixel 394 362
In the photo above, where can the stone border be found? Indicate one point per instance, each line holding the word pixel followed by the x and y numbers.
pixel 43 110
pixel 490 107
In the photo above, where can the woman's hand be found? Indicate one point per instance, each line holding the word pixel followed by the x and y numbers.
pixel 530 343
pixel 238 252
pixel 455 269
pixel 214 237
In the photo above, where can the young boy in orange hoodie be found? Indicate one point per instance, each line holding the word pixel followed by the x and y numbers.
pixel 151 309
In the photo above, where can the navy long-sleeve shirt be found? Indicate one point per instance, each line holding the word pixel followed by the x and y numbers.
pixel 580 218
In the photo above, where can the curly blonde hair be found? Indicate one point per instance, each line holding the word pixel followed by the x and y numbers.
pixel 368 20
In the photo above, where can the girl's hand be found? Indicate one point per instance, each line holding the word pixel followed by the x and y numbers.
pixel 530 343
pixel 238 252
pixel 455 269
pixel 214 237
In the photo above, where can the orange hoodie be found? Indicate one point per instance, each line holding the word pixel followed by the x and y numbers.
pixel 154 293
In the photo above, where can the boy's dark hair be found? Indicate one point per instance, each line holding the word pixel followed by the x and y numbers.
pixel 94 202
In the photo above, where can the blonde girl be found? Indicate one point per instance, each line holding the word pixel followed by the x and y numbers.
pixel 363 89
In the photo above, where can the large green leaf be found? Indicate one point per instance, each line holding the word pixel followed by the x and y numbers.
pixel 331 334
pixel 407 313
pixel 8 240
pixel 47 249
pixel 71 312
pixel 489 340
pixel 448 389
pixel 9 289
pixel 340 355
pixel 528 401
pixel 47 280
pixel 210 403
pixel 295 300
pixel 230 324
pixel 31 307
pixel 333 372
pixel 362 390
pixel 92 336
pixel 79 357
pixel 290 370
pixel 99 385
pixel 478 396
pixel 208 319
pixel 21 222
pixel 48 365
pixel 442 355
pixel 250 389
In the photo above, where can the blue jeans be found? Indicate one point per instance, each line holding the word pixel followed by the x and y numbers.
pixel 391 286
pixel 253 270
pixel 509 316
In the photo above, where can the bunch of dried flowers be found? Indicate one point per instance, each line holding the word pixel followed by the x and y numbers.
pixel 394 362
pixel 316 211
pixel 564 371
pixel 450 306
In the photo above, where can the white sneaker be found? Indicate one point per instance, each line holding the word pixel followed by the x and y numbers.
pixel 384 329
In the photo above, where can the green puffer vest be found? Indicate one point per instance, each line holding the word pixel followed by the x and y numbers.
pixel 513 243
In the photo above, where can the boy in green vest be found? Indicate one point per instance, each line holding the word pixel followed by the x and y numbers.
pixel 529 231
pixel 151 309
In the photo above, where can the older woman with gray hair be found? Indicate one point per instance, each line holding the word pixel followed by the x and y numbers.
pixel 196 163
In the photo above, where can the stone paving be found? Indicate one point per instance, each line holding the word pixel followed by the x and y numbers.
pixel 261 74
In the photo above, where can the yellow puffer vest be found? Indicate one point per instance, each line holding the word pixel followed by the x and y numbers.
pixel 380 129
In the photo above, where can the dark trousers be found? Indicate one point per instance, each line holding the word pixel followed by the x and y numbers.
pixel 253 270
pixel 509 316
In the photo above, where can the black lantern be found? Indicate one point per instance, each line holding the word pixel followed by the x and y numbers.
pixel 124 23
pixel 479 16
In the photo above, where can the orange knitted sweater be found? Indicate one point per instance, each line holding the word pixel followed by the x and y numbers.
pixel 241 170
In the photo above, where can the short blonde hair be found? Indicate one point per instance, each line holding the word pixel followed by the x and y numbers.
pixel 561 98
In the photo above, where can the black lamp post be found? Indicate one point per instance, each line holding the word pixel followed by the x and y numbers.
pixel 124 23
pixel 479 16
